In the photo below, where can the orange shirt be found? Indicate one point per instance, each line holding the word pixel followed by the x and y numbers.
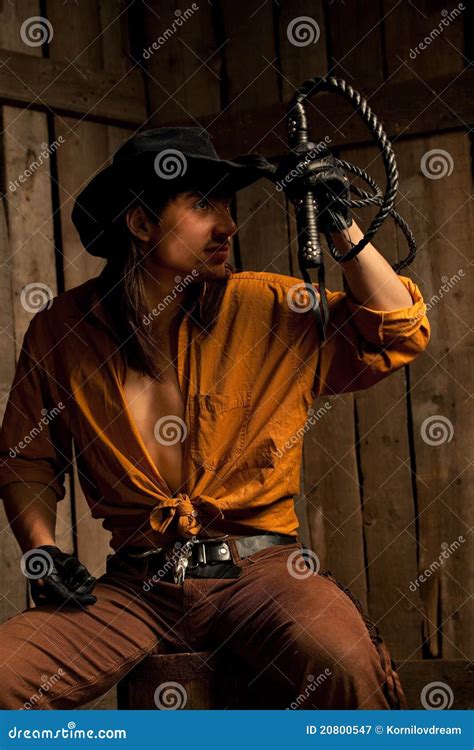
pixel 247 389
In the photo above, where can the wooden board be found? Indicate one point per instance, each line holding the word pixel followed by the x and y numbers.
pixel 355 40
pixel 182 72
pixel 72 90
pixel 455 691
pixel 411 107
pixel 383 449
pixel 93 38
pixel 299 63
pixel 440 382
pixel 13 592
pixel 31 237
pixel 209 680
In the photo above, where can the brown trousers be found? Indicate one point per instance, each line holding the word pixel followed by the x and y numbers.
pixel 304 628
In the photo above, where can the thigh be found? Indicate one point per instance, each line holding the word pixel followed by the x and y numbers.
pixel 63 657
pixel 279 593
pixel 285 619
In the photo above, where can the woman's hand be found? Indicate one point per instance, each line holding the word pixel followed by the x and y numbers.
pixel 65 581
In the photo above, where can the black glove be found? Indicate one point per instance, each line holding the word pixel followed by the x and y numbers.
pixel 65 581
pixel 323 177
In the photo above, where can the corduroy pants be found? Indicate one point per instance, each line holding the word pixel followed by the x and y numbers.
pixel 279 616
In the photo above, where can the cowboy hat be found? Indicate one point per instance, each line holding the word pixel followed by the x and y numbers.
pixel 163 159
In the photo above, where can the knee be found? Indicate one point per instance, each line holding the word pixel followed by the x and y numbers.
pixel 345 672
pixel 15 693
pixel 18 692
pixel 20 665
pixel 341 654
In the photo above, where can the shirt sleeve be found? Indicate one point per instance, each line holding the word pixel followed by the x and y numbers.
pixel 362 345
pixel 34 445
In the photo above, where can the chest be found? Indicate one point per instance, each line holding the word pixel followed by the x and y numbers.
pixel 157 410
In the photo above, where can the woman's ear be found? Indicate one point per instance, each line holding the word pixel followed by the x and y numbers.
pixel 138 223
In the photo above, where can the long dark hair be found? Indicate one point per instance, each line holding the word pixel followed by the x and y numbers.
pixel 123 292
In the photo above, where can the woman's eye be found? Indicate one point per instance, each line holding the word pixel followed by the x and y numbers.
pixel 204 203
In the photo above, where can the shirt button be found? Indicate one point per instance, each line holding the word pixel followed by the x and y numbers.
pixel 194 513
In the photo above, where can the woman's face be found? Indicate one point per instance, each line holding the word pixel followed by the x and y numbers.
pixel 191 227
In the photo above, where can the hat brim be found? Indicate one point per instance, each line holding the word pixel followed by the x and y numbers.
pixel 110 192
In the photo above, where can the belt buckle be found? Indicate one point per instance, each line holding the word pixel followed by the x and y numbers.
pixel 201 556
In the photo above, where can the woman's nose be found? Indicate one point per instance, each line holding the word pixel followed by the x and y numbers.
pixel 225 224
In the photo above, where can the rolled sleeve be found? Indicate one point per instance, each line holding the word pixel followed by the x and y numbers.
pixel 34 446
pixel 382 328
pixel 362 345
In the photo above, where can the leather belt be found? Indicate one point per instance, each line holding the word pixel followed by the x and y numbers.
pixel 191 554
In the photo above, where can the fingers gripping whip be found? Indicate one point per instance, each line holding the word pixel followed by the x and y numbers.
pixel 326 177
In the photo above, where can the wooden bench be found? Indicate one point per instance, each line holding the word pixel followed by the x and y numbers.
pixel 218 681
pixel 200 680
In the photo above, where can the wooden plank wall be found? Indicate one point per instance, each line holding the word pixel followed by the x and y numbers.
pixel 29 256
pixel 439 385
pixel 41 243
pixel 378 502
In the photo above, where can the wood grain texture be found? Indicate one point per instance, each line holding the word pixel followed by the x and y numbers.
pixel 437 208
pixel 440 387
pixel 386 470
pixel 182 72
pixel 411 107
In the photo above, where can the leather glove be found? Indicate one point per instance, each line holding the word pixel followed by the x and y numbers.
pixel 66 579
pixel 323 177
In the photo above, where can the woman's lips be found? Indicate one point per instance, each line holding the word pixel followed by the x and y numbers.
pixel 219 254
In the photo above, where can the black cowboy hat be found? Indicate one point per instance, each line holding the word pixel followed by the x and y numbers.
pixel 161 159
